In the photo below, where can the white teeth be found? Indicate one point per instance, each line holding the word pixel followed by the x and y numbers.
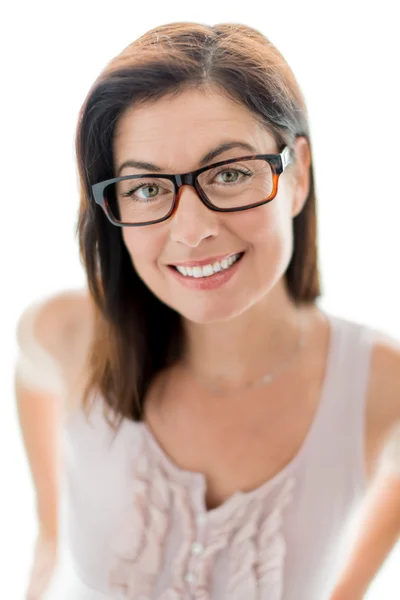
pixel 216 267
pixel 197 272
pixel 208 270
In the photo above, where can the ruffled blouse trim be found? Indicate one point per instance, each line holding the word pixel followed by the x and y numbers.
pixel 245 530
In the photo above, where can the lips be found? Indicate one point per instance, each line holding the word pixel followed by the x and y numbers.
pixel 192 278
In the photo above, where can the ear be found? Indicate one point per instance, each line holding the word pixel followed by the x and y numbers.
pixel 301 175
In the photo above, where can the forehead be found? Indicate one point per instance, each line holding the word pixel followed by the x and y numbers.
pixel 176 131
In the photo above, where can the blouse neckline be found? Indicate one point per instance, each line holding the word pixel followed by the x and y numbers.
pixel 198 481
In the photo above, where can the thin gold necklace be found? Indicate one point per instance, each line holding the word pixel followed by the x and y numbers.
pixel 265 379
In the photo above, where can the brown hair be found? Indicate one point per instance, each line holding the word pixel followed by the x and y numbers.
pixel 136 335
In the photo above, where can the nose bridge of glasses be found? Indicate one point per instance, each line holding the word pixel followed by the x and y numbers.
pixel 192 220
pixel 193 204
pixel 186 179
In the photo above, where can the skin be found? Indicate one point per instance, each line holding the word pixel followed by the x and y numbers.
pixel 175 133
pixel 193 424
pixel 237 440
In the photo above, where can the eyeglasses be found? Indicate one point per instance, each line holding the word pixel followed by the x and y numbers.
pixel 226 186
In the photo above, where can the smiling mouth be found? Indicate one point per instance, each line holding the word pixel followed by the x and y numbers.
pixel 197 272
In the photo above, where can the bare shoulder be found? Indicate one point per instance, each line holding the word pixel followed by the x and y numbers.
pixel 64 320
pixel 54 336
pixel 383 400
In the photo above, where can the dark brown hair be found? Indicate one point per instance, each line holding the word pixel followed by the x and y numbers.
pixel 135 334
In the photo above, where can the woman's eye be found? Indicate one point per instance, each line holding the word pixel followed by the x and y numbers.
pixel 230 176
pixel 143 192
pixel 149 194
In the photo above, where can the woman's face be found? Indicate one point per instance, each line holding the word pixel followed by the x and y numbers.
pixel 175 134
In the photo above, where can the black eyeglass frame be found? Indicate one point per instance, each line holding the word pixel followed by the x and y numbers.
pixel 278 163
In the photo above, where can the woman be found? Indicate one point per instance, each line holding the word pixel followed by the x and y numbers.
pixel 214 414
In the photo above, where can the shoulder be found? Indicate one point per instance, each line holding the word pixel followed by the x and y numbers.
pixel 384 384
pixel 54 319
pixel 383 400
pixel 52 335
pixel 63 319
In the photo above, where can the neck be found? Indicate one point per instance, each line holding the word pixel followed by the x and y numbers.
pixel 232 353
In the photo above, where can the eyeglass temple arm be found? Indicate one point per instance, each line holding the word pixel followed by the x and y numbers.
pixel 286 156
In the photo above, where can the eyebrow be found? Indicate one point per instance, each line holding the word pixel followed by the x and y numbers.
pixel 224 147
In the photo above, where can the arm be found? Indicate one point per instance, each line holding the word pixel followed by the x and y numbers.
pixel 45 362
pixel 38 391
pixel 38 415
pixel 379 530
pixel 379 523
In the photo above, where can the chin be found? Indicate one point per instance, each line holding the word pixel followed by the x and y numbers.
pixel 210 313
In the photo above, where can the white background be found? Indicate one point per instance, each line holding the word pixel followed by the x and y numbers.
pixel 345 57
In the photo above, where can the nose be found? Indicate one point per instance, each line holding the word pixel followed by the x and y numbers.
pixel 192 222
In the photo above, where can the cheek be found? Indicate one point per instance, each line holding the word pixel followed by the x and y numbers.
pixel 268 233
pixel 266 225
pixel 144 246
